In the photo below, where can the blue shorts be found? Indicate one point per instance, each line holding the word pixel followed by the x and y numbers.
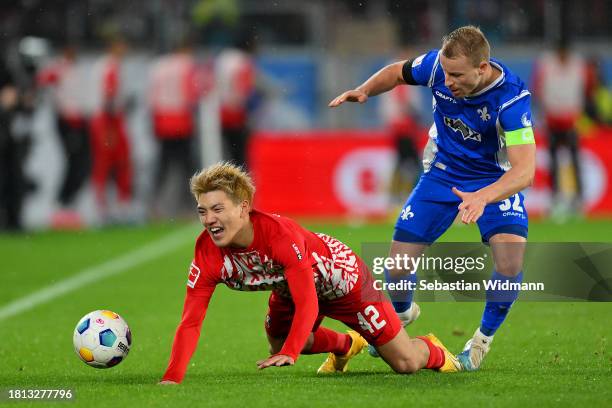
pixel 432 207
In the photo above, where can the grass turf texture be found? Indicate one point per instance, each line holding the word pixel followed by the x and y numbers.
pixel 545 354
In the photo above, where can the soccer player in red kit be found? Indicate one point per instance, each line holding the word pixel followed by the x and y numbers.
pixel 310 275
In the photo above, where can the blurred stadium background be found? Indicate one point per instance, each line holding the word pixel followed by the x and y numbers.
pixel 307 159
pixel 333 168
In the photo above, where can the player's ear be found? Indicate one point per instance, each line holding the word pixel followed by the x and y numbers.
pixel 245 207
pixel 482 67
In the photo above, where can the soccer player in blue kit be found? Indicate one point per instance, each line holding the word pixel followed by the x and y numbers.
pixel 480 155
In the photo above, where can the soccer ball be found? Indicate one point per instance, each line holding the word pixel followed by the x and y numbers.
pixel 102 339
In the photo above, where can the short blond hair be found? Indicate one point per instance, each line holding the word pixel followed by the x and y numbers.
pixel 224 176
pixel 468 41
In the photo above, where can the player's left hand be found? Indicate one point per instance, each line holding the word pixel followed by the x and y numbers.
pixel 277 360
pixel 472 205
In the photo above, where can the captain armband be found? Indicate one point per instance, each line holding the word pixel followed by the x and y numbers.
pixel 520 136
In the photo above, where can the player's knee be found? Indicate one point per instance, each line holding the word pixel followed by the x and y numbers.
pixel 509 267
pixel 405 365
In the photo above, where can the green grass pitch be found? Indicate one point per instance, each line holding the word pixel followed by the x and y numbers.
pixel 546 354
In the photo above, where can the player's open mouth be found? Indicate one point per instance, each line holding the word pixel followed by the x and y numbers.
pixel 216 232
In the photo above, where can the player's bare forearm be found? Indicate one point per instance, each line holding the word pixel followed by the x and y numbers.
pixel 519 177
pixel 382 81
pixel 510 183
pixel 522 159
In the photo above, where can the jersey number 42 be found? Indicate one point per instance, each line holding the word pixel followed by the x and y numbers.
pixel 370 322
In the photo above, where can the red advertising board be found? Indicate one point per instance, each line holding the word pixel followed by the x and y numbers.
pixel 344 173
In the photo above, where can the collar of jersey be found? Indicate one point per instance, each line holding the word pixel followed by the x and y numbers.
pixel 493 84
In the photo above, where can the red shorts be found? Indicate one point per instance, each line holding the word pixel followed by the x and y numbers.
pixel 370 315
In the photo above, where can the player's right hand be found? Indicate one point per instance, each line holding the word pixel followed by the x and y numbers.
pixel 275 360
pixel 354 95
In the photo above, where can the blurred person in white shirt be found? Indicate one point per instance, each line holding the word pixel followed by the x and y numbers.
pixel 560 85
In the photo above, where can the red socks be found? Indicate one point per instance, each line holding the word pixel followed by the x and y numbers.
pixel 326 340
pixel 436 354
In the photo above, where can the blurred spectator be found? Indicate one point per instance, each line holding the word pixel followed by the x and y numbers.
pixel 176 85
pixel 235 75
pixel 17 99
pixel 67 84
pixel 11 172
pixel 598 96
pixel 560 87
pixel 109 139
pixel 399 109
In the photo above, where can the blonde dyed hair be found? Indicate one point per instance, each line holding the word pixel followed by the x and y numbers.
pixel 468 41
pixel 224 176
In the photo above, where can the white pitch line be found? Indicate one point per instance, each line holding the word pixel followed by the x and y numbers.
pixel 95 273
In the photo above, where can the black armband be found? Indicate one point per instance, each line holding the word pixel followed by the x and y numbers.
pixel 407 73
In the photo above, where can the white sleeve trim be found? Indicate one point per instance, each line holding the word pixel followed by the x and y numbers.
pixel 433 70
pixel 516 98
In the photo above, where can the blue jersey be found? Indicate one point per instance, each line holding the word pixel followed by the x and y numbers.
pixel 468 136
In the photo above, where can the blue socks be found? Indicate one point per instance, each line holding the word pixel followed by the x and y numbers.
pixel 498 303
pixel 401 299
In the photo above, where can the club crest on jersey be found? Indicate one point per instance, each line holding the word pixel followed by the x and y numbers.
pixel 484 115
pixel 457 125
pixel 525 120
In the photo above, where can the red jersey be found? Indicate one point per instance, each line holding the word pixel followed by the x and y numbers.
pixel 284 257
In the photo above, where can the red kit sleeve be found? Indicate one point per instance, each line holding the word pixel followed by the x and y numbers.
pixel 290 252
pixel 199 292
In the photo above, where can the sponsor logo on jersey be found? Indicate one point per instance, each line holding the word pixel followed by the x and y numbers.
pixel 248 271
pixel 297 251
pixel 513 214
pixel 484 115
pixel 445 97
pixel 457 125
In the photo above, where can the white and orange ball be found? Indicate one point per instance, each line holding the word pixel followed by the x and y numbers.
pixel 102 339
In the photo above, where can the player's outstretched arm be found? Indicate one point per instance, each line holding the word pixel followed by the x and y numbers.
pixel 382 81
pixel 187 335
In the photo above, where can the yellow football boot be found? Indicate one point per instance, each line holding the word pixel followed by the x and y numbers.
pixel 451 364
pixel 339 364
